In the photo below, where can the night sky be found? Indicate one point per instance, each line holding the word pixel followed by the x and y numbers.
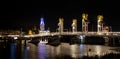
pixel 26 14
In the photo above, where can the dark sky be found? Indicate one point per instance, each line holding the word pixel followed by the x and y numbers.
pixel 26 14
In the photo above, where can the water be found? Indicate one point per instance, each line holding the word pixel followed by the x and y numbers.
pixel 47 51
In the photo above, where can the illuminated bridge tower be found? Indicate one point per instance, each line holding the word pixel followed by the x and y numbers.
pixel 42 24
pixel 74 25
pixel 85 22
pixel 100 23
pixel 60 24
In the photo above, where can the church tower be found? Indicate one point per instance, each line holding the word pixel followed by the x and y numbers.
pixel 42 24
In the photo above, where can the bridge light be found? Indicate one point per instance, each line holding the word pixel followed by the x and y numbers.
pixel 100 18
pixel 81 36
pixel 15 37
pixel 52 34
pixel 30 32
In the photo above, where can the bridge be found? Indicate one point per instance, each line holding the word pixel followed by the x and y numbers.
pixel 43 34
pixel 53 36
pixel 74 33
pixel 102 30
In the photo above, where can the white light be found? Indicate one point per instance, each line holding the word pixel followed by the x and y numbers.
pixel 99 33
pixel 98 50
pixel 26 36
pixel 52 34
pixel 82 36
pixel 99 25
pixel 15 37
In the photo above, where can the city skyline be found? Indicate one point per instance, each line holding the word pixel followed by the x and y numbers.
pixel 22 14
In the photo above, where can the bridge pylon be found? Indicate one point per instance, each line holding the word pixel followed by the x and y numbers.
pixel 85 22
pixel 60 24
pixel 74 25
pixel 100 23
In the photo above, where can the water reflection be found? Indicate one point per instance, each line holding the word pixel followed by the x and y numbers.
pixel 53 51
pixel 50 51
pixel 65 49
pixel 25 52
pixel 33 51
pixel 41 51
pixel 12 50
pixel 75 51
pixel 98 50
pixel 46 51
pixel 81 50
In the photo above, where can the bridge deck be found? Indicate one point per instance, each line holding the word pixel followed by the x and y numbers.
pixel 67 33
pixel 76 33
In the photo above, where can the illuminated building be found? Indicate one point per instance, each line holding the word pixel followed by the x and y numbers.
pixel 42 24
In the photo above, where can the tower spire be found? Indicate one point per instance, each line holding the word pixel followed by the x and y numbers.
pixel 42 24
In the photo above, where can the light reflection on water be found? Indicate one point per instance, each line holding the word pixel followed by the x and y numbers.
pixel 45 51
pixel 32 52
pixel 75 50
pixel 12 50
pixel 25 52
pixel 41 51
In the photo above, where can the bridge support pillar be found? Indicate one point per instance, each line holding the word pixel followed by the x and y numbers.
pixel 60 24
pixel 24 42
pixel 106 40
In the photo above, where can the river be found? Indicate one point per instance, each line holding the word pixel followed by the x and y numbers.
pixel 61 51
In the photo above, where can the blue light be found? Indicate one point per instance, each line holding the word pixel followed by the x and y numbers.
pixel 25 52
pixel 12 50
pixel 42 22
pixel 82 50
pixel 42 51
pixel 82 36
